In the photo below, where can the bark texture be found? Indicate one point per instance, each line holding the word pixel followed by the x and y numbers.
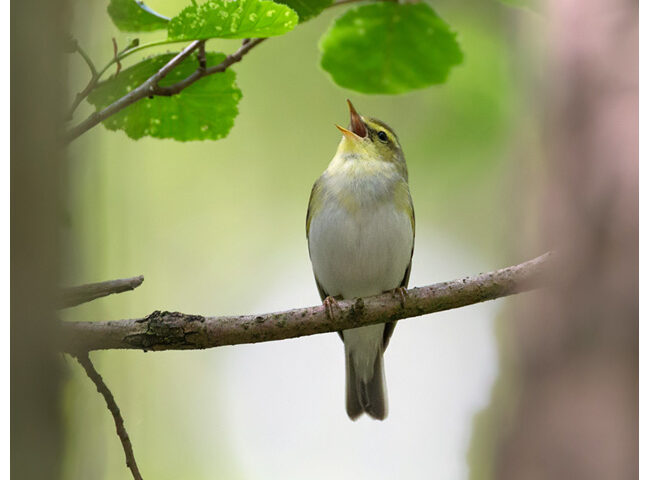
pixel 179 331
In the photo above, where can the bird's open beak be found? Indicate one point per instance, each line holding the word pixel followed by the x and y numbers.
pixel 358 129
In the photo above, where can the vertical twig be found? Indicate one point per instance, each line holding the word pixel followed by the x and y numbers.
pixel 116 57
pixel 202 61
pixel 94 78
pixel 93 374
pixel 87 59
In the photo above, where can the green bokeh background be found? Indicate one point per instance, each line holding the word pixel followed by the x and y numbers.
pixel 210 224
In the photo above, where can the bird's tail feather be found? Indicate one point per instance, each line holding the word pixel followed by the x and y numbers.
pixel 367 396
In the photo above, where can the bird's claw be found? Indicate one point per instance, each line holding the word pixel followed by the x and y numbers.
pixel 330 303
pixel 402 293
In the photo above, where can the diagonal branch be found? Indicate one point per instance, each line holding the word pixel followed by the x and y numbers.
pixel 102 388
pixel 151 86
pixel 204 72
pixel 72 296
pixel 179 331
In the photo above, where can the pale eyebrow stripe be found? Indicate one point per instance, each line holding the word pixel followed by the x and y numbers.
pixel 379 125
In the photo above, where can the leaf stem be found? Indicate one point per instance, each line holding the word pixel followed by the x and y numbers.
pixel 86 57
pixel 130 51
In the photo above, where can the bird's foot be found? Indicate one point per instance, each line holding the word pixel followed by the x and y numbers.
pixel 402 293
pixel 329 304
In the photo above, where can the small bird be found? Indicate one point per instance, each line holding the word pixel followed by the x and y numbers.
pixel 360 229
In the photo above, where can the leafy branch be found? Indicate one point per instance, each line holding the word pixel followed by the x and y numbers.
pixel 152 87
pixel 404 47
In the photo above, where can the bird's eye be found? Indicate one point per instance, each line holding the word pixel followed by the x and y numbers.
pixel 383 136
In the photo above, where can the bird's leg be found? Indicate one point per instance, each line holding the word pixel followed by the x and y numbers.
pixel 402 293
pixel 330 303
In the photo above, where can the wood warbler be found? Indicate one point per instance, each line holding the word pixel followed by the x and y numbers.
pixel 360 228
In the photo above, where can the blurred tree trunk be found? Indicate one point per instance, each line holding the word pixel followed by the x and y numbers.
pixel 576 346
pixel 38 90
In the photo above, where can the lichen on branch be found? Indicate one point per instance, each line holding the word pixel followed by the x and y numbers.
pixel 178 331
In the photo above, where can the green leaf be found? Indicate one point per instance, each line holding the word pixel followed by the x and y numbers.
pixel 135 16
pixel 232 19
pixel 203 111
pixel 389 48
pixel 307 9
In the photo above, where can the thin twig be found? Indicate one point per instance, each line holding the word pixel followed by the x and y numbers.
pixel 202 61
pixel 116 57
pixel 102 388
pixel 179 331
pixel 135 47
pixel 81 95
pixel 94 78
pixel 72 296
pixel 198 74
pixel 86 57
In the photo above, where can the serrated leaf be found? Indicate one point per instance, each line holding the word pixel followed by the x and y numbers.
pixel 389 48
pixel 135 16
pixel 232 19
pixel 306 9
pixel 203 111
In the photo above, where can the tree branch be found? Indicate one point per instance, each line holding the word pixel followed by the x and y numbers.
pixel 102 388
pixel 94 78
pixel 151 86
pixel 72 296
pixel 179 331
pixel 204 72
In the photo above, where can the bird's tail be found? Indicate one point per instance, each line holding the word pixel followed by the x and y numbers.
pixel 366 394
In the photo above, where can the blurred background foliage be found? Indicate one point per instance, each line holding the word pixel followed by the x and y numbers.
pixel 217 227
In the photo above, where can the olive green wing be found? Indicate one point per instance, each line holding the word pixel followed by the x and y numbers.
pixel 314 205
pixel 315 202
pixel 390 326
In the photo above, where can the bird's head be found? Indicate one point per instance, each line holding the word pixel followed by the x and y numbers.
pixel 370 139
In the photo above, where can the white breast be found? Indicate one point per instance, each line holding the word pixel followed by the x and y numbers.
pixel 362 253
